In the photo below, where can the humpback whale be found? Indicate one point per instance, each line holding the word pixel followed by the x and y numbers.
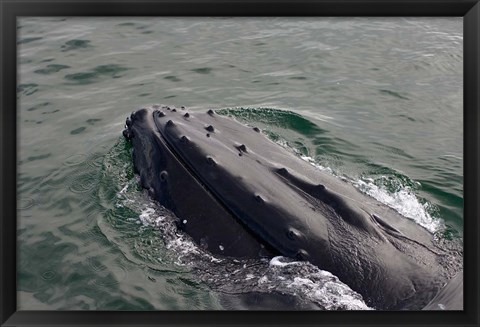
pixel 239 194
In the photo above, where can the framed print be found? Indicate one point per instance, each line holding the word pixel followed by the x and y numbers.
pixel 239 163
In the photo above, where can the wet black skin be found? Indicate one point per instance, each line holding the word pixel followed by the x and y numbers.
pixel 238 194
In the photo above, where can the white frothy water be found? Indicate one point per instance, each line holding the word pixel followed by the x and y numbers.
pixel 275 262
pixel 176 241
pixel 316 285
pixel 404 202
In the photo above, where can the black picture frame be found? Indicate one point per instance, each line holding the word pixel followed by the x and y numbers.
pixel 11 10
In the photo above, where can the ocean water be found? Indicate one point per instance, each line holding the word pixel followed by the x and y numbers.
pixel 375 101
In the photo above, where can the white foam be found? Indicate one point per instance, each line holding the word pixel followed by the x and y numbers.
pixel 332 293
pixel 249 276
pixel 213 259
pixel 123 189
pixel 298 281
pixel 319 286
pixel 262 280
pixel 276 262
pixel 146 216
pixel 179 243
pixel 404 202
pixel 312 161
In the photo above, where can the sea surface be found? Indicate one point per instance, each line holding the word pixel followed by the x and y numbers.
pixel 375 101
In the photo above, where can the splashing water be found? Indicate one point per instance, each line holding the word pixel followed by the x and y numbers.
pixel 404 202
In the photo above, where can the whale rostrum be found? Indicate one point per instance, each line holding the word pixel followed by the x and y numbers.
pixel 245 196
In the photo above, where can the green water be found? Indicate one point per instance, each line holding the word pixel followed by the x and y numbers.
pixel 376 101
